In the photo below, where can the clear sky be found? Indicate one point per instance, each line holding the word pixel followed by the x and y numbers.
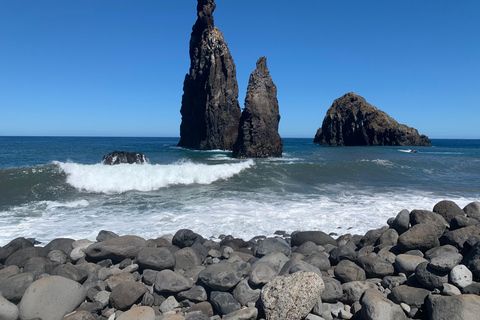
pixel 116 67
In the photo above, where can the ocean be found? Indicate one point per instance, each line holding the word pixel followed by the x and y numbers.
pixel 53 187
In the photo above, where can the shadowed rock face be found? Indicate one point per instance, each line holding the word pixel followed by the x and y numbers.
pixel 351 121
pixel 258 132
pixel 210 109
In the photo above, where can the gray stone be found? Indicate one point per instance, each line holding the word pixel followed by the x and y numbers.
pixel 317 237
pixel 79 315
pixel 461 307
pixel 261 274
pixel 138 313
pixel 387 239
pixel 14 287
pixel 293 266
pixel 62 244
pixel 244 293
pixel 291 296
pixel 401 222
pixel 461 222
pixel 187 258
pixel 14 245
pixel 222 276
pixel 421 236
pixel 50 298
pixel 472 260
pixel 376 307
pixel 150 276
pixel 461 276
pixel 450 290
pixel 345 252
pixel 472 210
pixel 243 314
pixel 430 278
pixel 390 282
pixel 155 258
pixel 224 302
pixel 8 310
pixel 9 271
pixel 116 249
pixel 333 290
pixel 205 307
pixel 430 218
pixel 448 210
pixel 412 296
pixel 375 267
pixel 319 260
pixel 458 237
pixel 126 293
pixel 347 271
pixel 57 256
pixel 353 290
pixel 104 235
pixel 407 263
pixel 169 304
pixel 169 281
pixel 21 256
pixel 275 260
pixel 474 288
pixel 371 236
pixel 326 310
pixel 446 262
pixel 196 294
pixel 79 248
pixel 71 272
pixel 38 266
pixel 118 278
pixel 307 248
pixel 272 245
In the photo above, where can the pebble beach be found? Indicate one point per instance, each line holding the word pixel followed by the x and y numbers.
pixel 421 265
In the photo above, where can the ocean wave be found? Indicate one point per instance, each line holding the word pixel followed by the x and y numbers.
pixel 99 178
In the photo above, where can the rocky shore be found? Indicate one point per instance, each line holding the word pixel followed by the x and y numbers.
pixel 422 265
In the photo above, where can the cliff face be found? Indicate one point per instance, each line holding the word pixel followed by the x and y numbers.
pixel 258 132
pixel 210 109
pixel 351 121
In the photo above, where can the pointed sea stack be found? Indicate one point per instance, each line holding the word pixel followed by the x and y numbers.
pixel 258 132
pixel 210 109
pixel 352 121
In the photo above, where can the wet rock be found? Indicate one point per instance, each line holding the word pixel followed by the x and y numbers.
pixel 258 130
pixel 210 109
pixel 51 298
pixel 292 296
pixel 119 157
pixel 351 121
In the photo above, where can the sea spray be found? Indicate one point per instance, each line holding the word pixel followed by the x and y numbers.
pixel 121 178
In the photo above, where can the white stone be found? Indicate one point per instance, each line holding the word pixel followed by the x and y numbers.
pixel 461 276
pixel 169 304
pixel 8 310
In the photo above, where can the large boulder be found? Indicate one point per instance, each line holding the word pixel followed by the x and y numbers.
pixel 317 237
pixel 119 157
pixel 258 132
pixel 126 293
pixel 155 258
pixel 293 296
pixel 210 109
pixel 51 298
pixel 221 276
pixel 421 237
pixel 448 210
pixel 116 249
pixel 460 307
pixel 376 307
pixel 351 121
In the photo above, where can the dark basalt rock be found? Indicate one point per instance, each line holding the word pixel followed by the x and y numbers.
pixel 210 109
pixel 118 157
pixel 352 121
pixel 258 132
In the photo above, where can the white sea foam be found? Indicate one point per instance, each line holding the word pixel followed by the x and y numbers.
pixel 121 178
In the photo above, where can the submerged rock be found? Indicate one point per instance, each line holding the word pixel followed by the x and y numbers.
pixel 258 133
pixel 118 157
pixel 352 121
pixel 210 109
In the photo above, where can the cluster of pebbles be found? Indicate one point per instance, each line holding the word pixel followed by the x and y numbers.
pixel 423 265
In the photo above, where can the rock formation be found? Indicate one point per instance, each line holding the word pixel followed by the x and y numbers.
pixel 258 132
pixel 210 109
pixel 118 157
pixel 352 121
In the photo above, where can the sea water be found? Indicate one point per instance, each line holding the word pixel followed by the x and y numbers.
pixel 52 187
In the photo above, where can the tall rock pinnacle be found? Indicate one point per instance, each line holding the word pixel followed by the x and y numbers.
pixel 258 132
pixel 210 109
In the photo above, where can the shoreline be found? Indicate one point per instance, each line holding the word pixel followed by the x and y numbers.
pixel 415 267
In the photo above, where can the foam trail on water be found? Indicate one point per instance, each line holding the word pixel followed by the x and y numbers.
pixel 99 178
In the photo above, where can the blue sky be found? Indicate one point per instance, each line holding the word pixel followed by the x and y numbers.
pixel 116 68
